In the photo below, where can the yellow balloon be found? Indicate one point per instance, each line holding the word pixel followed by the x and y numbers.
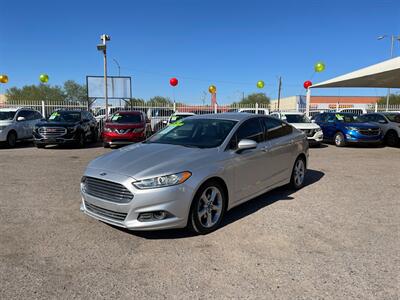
pixel 3 78
pixel 44 78
pixel 319 66
pixel 212 89
pixel 260 84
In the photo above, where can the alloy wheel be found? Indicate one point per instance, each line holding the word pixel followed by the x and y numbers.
pixel 210 207
pixel 299 172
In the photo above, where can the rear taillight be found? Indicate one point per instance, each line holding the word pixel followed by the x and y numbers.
pixel 137 130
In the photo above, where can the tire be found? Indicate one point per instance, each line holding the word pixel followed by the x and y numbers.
pixel 106 145
pixel 208 208
pixel 81 142
pixel 339 140
pixel 391 138
pixel 95 136
pixel 39 146
pixel 11 139
pixel 298 173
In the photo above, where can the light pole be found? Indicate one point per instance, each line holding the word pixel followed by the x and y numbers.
pixel 103 47
pixel 392 39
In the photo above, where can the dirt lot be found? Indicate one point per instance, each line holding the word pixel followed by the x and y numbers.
pixel 337 238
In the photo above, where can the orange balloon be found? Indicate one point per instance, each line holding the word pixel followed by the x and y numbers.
pixel 212 89
pixel 3 78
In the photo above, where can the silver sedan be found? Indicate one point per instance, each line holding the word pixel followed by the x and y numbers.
pixel 193 171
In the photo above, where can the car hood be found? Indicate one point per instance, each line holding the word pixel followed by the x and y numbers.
pixel 148 160
pixel 124 126
pixel 57 124
pixel 6 123
pixel 305 125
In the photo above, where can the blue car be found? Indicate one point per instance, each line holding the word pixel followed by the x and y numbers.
pixel 345 128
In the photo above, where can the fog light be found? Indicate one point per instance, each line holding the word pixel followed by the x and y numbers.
pixel 153 216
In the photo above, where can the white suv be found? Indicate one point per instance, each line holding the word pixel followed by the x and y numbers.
pixel 17 124
pixel 300 121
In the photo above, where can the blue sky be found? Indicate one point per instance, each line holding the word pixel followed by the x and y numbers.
pixel 231 44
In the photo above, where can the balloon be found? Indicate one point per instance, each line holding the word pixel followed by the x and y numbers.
pixel 3 78
pixel 173 81
pixel 44 78
pixel 260 84
pixel 307 84
pixel 319 66
pixel 212 89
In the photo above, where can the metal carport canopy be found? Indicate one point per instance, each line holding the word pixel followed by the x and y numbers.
pixel 382 75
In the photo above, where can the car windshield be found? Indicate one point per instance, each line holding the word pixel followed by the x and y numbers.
pixel 297 119
pixel 175 118
pixel 348 118
pixel 393 117
pixel 65 116
pixel 121 118
pixel 7 115
pixel 201 133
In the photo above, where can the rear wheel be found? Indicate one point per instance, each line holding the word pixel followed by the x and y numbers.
pixel 298 173
pixel 11 139
pixel 392 139
pixel 39 146
pixel 339 139
pixel 208 208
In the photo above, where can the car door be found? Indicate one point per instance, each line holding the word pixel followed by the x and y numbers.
pixel 249 165
pixel 279 148
pixel 22 127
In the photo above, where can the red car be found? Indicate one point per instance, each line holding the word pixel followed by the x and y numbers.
pixel 126 127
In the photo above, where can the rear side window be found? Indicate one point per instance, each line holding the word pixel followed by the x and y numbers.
pixel 27 114
pixel 275 128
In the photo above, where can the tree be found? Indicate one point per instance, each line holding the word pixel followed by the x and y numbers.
pixel 393 99
pixel 252 99
pixel 35 93
pixel 74 91
pixel 159 101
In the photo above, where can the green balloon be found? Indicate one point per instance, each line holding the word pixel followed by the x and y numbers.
pixel 44 78
pixel 319 67
pixel 260 84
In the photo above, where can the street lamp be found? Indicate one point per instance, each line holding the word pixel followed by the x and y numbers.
pixel 103 47
pixel 392 39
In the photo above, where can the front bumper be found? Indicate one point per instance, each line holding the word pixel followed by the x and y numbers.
pixel 316 138
pixel 355 137
pixel 174 200
pixel 123 139
pixel 69 138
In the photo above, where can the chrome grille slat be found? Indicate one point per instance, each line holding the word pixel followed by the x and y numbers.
pixel 369 132
pixel 107 190
pixel 105 212
pixel 52 131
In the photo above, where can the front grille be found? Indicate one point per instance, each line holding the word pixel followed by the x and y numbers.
pixel 369 132
pixel 50 132
pixel 309 132
pixel 107 190
pixel 105 212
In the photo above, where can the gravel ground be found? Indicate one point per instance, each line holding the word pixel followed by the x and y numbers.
pixel 337 238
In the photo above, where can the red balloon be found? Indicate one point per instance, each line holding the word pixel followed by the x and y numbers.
pixel 307 84
pixel 173 81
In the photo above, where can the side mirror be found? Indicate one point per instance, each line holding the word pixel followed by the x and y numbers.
pixel 246 144
pixel 312 121
pixel 19 119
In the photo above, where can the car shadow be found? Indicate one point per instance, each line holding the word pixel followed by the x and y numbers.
pixel 239 212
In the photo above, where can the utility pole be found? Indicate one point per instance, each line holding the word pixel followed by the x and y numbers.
pixel 279 91
pixel 103 47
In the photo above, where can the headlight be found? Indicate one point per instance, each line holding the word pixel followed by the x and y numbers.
pixel 351 128
pixel 137 130
pixel 72 129
pixel 162 181
pixel 318 129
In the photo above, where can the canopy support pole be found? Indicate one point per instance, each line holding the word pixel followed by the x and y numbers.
pixel 308 101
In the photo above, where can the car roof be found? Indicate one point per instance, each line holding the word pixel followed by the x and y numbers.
pixel 227 116
pixel 129 112
pixel 292 113
pixel 184 113
pixel 10 108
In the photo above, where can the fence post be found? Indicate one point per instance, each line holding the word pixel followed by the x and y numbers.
pixel 256 107
pixel 43 109
pixel 174 106
pixel 215 108
pixel 337 106
pixel 376 106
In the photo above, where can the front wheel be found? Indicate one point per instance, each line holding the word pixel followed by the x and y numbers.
pixel 11 139
pixel 339 139
pixel 208 208
pixel 392 139
pixel 298 173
